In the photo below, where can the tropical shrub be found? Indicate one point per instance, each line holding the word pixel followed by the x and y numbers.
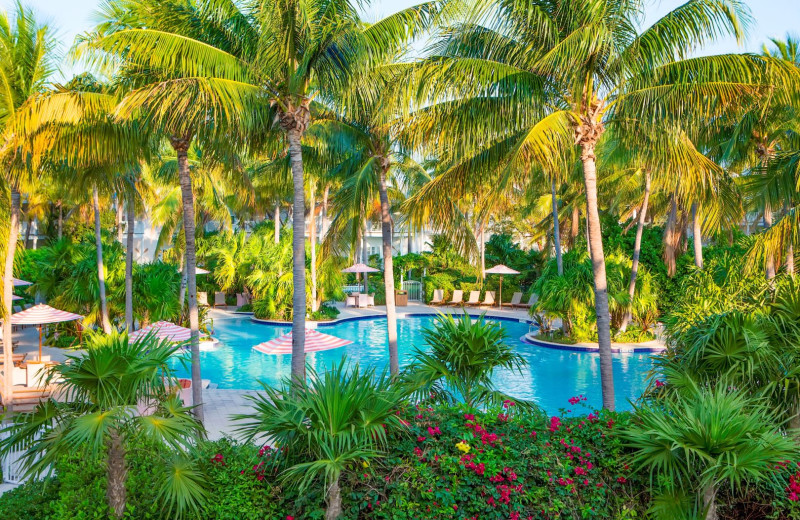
pixel 102 388
pixel 325 427
pixel 704 439
pixel 570 296
pixel 459 359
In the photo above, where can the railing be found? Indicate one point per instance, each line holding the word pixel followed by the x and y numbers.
pixel 11 462
pixel 414 290
pixel 353 288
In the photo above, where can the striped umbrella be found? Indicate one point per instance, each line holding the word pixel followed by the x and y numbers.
pixel 42 315
pixel 315 342
pixel 163 330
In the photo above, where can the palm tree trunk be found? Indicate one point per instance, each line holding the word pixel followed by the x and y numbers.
pixel 129 266
pixel 556 231
pixel 119 218
pixel 710 502
pixel 312 237
pixel 299 257
pixel 388 270
pixel 671 237
pixel 277 223
pixel 770 267
pixel 60 220
pixel 697 236
pixel 482 245
pixel 576 225
pixel 790 260
pixel 101 275
pixel 637 248
pixel 28 225
pixel 181 146
pixel 117 474
pixel 334 499
pixel 8 292
pixel 595 241
pixel 364 245
pixel 324 223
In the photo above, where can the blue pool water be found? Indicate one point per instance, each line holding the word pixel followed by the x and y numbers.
pixel 552 376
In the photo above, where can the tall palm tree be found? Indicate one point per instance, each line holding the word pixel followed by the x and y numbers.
pixel 544 75
pixel 26 52
pixel 266 63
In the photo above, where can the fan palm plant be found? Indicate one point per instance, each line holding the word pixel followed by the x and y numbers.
pixel 339 421
pixel 705 439
pixel 544 76
pixel 459 360
pixel 265 63
pixel 103 389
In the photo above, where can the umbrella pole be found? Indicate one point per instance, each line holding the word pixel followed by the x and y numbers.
pixel 501 292
pixel 40 343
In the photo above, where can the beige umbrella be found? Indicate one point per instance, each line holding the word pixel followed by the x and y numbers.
pixel 501 270
pixel 42 315
pixel 362 268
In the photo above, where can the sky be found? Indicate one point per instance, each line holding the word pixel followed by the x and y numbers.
pixel 772 18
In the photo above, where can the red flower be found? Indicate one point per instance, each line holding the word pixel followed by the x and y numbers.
pixel 420 439
pixel 659 384
pixel 622 480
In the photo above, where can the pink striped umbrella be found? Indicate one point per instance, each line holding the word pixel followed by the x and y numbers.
pixel 163 330
pixel 41 315
pixel 315 342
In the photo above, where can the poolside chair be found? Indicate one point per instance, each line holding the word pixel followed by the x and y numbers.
pixel 489 299
pixel 351 300
pixel 219 299
pixel 371 300
pixel 458 297
pixel 202 298
pixel 363 300
pixel 531 302
pixel 438 297
pixel 516 299
pixel 474 298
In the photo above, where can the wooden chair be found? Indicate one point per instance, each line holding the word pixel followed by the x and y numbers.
pixel 458 297
pixel 516 299
pixel 219 299
pixel 488 300
pixel 474 298
pixel 438 297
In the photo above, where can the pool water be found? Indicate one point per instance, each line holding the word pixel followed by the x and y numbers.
pixel 550 379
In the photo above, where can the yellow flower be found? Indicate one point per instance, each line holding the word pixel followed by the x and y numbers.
pixel 463 446
pixel 365 464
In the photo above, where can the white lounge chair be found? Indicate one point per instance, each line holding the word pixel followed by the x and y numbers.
pixel 515 299
pixel 458 297
pixel 488 300
pixel 438 297
pixel 531 302
pixel 202 298
pixel 474 298
pixel 219 299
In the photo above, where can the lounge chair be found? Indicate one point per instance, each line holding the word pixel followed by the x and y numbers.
pixel 202 298
pixel 458 297
pixel 219 299
pixel 489 299
pixel 531 302
pixel 474 298
pixel 438 297
pixel 515 299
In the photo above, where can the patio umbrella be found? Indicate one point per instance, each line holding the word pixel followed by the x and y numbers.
pixel 315 342
pixel 362 268
pixel 163 330
pixel 501 270
pixel 42 315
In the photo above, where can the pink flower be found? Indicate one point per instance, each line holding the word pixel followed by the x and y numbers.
pixel 659 384
pixel 508 403
pixel 420 439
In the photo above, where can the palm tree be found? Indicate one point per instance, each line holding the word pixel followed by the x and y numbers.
pixel 104 387
pixel 26 51
pixel 269 69
pixel 587 66
pixel 342 418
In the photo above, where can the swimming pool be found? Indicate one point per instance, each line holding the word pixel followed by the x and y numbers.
pixel 552 376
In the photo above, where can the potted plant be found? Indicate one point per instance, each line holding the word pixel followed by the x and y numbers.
pixel 401 298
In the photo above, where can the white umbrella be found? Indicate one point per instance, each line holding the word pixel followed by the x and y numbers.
pixel 41 315
pixel 362 268
pixel 501 270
